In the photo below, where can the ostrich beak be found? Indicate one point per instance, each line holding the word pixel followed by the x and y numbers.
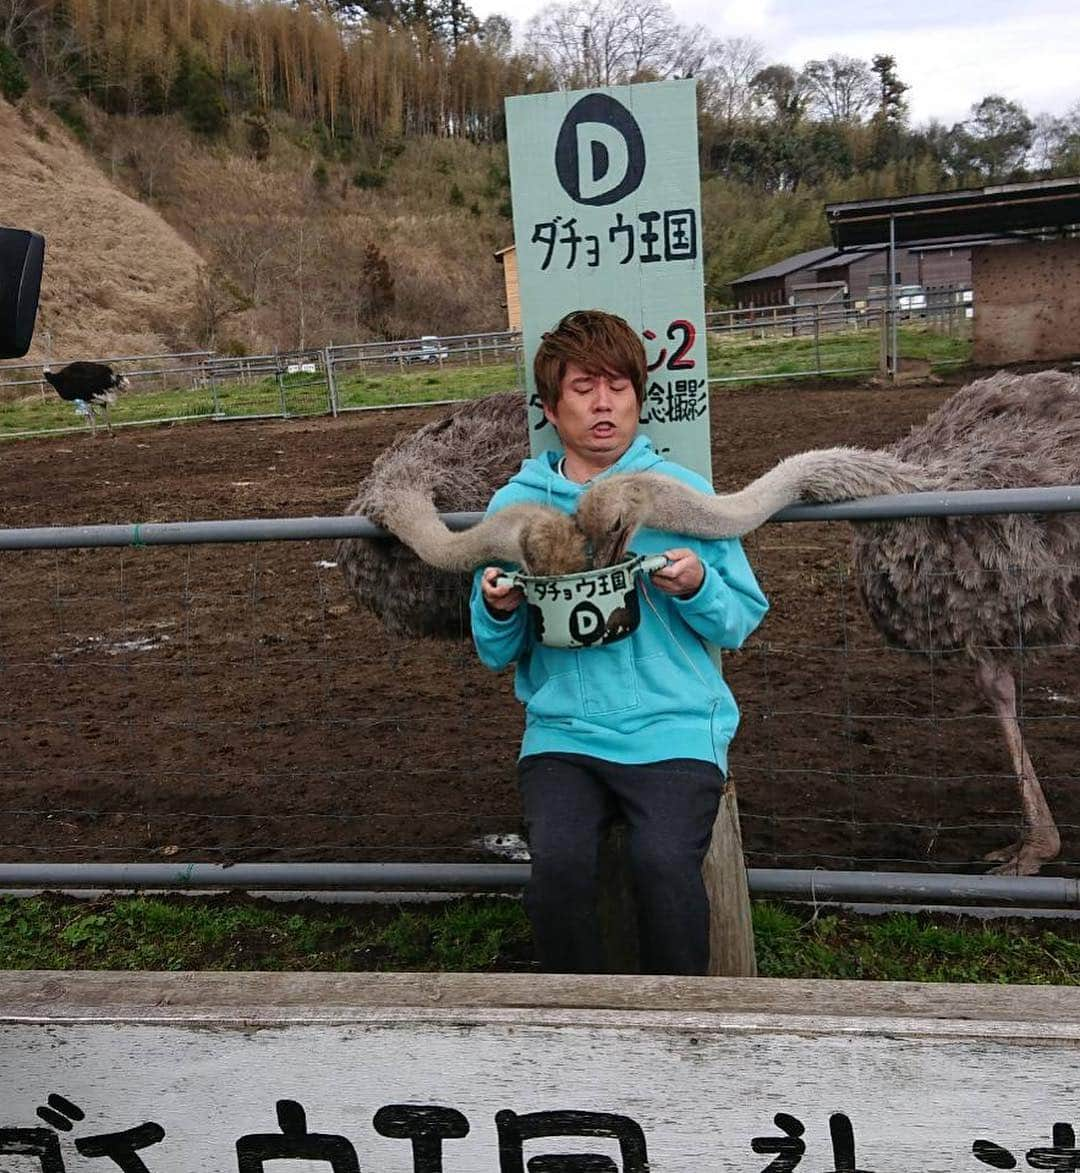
pixel 609 549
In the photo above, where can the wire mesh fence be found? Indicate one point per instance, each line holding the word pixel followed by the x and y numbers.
pixel 201 385
pixel 763 344
pixel 230 703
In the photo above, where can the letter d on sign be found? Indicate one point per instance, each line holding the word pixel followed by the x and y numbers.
pixel 600 152
pixel 586 623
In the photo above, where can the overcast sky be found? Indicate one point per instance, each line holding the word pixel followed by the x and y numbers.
pixel 950 52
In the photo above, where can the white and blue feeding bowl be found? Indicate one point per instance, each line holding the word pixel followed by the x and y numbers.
pixel 586 610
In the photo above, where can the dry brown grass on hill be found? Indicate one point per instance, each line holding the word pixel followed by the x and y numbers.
pixel 118 279
pixel 285 241
pixel 295 246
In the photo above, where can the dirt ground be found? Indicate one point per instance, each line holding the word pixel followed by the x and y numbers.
pixel 231 703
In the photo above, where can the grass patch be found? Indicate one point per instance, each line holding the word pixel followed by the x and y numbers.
pixel 423 384
pixel 745 360
pixel 915 948
pixel 238 933
pixel 492 935
pixel 296 395
pixel 731 355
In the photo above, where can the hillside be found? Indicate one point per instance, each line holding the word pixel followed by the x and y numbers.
pixel 308 245
pixel 117 277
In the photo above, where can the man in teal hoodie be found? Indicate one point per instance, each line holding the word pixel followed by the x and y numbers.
pixel 637 729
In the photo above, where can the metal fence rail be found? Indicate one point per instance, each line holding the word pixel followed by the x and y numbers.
pixel 969 503
pixel 107 668
pixel 331 380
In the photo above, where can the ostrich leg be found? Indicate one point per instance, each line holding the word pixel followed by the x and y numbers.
pixel 1039 840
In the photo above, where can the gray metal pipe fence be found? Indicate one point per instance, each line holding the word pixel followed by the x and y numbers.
pixel 803 884
pixel 1059 499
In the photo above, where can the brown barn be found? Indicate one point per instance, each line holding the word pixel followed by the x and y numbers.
pixel 1026 296
pixel 507 257
pixel 829 274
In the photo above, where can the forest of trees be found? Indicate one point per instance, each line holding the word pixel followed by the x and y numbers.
pixel 395 68
pixel 366 79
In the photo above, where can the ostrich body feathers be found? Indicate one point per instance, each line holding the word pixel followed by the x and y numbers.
pixel 457 462
pixel 983 584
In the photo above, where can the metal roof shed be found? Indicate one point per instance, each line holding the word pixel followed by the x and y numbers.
pixel 1016 211
pixel 1050 204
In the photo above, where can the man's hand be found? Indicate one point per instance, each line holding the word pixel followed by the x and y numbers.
pixel 682 575
pixel 500 600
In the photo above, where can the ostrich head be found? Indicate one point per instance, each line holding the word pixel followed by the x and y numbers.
pixel 551 543
pixel 610 513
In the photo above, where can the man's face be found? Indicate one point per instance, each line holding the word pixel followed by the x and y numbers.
pixel 596 416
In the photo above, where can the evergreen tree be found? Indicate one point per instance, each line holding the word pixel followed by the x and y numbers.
pixel 892 105
pixel 198 94
pixel 13 80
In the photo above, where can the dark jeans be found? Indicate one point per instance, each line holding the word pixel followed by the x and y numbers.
pixel 669 808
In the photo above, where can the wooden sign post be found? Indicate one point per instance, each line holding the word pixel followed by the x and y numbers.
pixel 607 215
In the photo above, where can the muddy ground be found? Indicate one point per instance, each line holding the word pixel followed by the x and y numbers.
pixel 231 703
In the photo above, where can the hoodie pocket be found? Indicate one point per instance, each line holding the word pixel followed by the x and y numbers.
pixel 609 681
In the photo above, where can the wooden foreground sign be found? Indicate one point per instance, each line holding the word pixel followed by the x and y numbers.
pixel 295 1073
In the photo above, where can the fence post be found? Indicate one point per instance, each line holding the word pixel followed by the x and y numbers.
pixel 281 390
pixel 331 385
pixel 731 930
pixel 883 361
pixel 817 338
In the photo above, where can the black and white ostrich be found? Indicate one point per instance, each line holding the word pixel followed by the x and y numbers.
pixel 992 588
pixel 92 383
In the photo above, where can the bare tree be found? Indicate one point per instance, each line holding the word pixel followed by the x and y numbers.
pixel 216 299
pixel 18 18
pixel 840 88
pixel 725 81
pixel 608 42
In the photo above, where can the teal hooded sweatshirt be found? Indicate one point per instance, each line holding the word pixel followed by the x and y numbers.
pixel 655 695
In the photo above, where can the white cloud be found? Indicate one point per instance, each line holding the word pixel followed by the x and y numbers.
pixel 952 67
pixel 732 18
pixel 951 53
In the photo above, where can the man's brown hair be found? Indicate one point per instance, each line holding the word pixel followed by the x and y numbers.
pixel 598 342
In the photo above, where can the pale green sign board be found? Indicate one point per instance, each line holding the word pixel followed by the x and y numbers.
pixel 607 215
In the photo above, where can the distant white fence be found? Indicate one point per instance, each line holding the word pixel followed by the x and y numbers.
pixel 327 380
pixel 284 384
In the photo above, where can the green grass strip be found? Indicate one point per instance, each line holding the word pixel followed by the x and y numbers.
pixel 489 934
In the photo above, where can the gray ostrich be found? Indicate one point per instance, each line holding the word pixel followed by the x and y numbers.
pixel 456 464
pixel 984 586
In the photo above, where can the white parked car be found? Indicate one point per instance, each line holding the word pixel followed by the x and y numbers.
pixel 911 297
pixel 431 349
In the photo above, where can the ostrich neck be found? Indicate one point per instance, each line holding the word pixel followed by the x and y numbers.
pixel 828 474
pixel 496 539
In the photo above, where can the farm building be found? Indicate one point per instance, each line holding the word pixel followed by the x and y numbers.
pixel 507 257
pixel 1028 295
pixel 831 274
